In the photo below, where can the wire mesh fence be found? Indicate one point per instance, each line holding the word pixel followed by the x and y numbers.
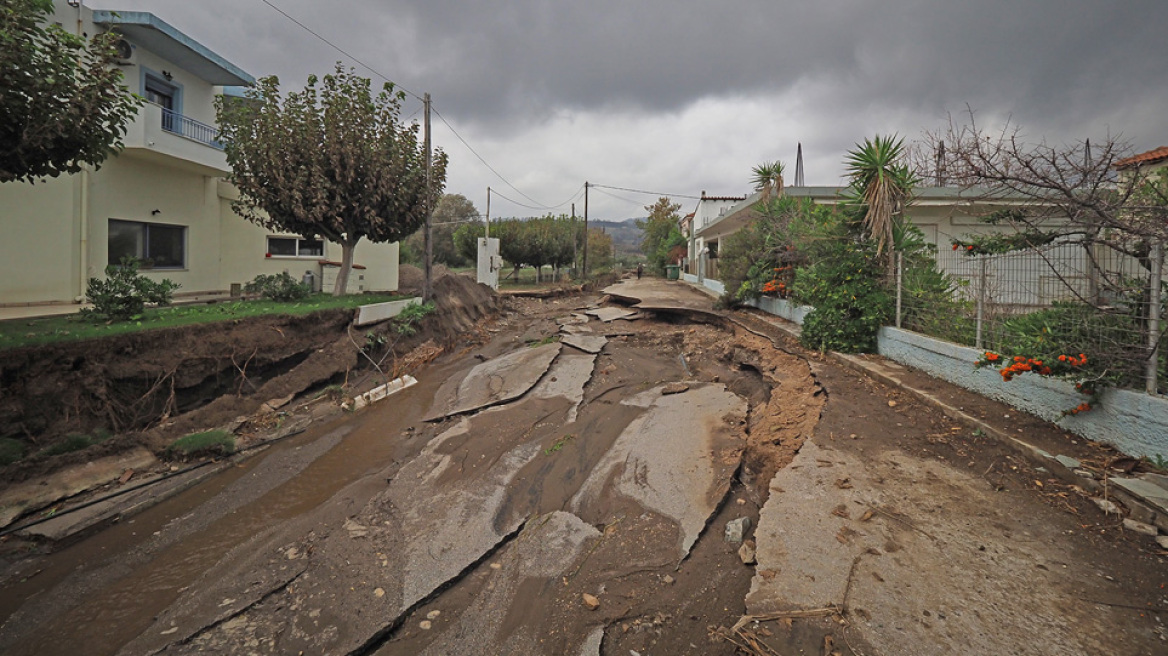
pixel 1098 297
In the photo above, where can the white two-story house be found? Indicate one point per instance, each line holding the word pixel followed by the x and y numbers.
pixel 163 199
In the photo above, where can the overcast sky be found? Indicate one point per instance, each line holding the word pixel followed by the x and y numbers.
pixel 689 95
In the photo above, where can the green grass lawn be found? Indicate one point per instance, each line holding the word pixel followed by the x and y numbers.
pixel 25 332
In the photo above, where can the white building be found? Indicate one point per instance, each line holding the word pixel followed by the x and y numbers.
pixel 164 198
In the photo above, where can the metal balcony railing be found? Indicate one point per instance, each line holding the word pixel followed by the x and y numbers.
pixel 188 127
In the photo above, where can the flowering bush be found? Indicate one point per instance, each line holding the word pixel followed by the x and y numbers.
pixel 1064 366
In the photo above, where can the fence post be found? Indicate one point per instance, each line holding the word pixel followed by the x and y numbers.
pixel 899 284
pixel 981 293
pixel 1154 309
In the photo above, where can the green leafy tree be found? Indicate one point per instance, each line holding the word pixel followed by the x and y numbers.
pixel 451 213
pixel 882 184
pixel 659 233
pixel 332 160
pixel 62 102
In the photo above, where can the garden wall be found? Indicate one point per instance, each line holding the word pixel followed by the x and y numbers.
pixel 709 283
pixel 1133 422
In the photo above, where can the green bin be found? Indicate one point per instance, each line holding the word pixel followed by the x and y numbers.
pixel 672 272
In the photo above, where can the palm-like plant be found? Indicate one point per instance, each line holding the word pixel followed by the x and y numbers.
pixel 768 178
pixel 882 183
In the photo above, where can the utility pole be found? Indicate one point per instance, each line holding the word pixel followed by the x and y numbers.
pixel 575 240
pixel 427 284
pixel 488 235
pixel 585 267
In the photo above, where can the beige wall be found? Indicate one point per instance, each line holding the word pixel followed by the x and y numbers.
pixel 41 241
pixel 244 246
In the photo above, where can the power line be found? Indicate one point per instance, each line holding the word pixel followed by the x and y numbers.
pixel 539 205
pixel 612 195
pixel 339 49
pixel 642 191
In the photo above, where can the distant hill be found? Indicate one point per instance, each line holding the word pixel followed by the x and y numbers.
pixel 625 234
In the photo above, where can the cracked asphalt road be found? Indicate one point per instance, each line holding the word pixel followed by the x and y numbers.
pixel 533 497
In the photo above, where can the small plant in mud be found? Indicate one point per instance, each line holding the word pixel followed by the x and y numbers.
pixel 406 323
pixel 124 294
pixel 10 451
pixel 558 444
pixel 211 442
pixel 550 339
pixel 76 442
pixel 281 287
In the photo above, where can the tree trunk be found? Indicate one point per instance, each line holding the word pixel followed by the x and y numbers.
pixel 347 247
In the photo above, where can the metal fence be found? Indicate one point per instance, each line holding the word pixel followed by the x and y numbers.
pixel 1102 298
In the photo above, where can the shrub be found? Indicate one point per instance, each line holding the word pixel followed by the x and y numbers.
pixel 124 294
pixel 850 303
pixel 281 287
pixel 10 451
pixel 207 442
pixel 406 323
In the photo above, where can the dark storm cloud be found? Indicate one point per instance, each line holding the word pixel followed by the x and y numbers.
pixel 717 85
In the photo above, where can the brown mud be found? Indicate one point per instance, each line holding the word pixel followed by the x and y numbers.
pixel 152 387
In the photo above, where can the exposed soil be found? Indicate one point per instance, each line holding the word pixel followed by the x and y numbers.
pixel 151 387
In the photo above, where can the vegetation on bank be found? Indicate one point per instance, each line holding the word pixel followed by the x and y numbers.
pixel 15 333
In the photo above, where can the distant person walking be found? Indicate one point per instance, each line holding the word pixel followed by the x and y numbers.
pixel 640 270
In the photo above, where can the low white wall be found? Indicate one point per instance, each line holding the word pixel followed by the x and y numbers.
pixel 714 285
pixel 1133 422
pixel 367 314
pixel 781 307
pixel 689 277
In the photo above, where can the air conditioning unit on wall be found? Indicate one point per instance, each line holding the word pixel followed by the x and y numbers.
pixel 125 52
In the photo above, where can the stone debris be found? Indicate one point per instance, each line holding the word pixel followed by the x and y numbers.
pixel 1140 527
pixel 674 388
pixel 425 625
pixel 1107 506
pixel 355 529
pixel 736 529
pixel 433 615
pixel 746 552
pixel 668 580
pixel 590 601
pixel 1162 541
pixel 608 314
pixel 1068 462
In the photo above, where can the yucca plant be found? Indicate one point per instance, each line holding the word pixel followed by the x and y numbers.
pixel 882 184
pixel 768 178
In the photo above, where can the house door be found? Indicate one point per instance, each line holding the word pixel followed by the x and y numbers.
pixel 161 93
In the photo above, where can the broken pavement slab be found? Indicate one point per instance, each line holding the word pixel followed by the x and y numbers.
pixel 545 549
pixel 30 495
pixel 677 459
pixel 610 314
pixel 495 381
pixel 587 343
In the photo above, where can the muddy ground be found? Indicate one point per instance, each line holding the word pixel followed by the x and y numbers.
pixel 582 509
pixel 150 388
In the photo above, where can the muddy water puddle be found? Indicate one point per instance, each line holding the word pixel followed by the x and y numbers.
pixel 119 596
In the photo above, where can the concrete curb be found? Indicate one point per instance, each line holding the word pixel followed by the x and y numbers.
pixel 1140 509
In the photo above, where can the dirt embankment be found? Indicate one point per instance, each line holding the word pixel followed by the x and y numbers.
pixel 148 388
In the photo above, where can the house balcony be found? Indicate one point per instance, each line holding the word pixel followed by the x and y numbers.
pixel 172 139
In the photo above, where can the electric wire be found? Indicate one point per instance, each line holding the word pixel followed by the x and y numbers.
pixel 642 191
pixel 340 50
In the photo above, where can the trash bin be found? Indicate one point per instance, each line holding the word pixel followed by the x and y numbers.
pixel 672 272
